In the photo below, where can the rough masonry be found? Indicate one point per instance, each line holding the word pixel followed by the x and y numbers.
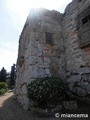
pixel 55 44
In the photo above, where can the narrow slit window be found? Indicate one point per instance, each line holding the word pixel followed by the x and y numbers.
pixel 49 37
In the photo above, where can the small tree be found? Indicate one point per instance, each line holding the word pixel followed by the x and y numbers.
pixel 3 75
pixel 13 75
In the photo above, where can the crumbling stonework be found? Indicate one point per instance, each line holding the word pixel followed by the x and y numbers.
pixel 55 44
pixel 79 82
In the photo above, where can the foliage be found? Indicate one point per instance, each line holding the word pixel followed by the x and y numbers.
pixel 2 91
pixel 3 75
pixel 12 76
pixel 3 87
pixel 48 90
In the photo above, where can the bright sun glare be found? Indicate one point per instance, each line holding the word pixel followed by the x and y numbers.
pixel 22 7
pixel 19 9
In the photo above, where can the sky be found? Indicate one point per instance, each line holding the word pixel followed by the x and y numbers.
pixel 13 14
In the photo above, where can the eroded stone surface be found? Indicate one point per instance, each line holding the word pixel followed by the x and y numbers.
pixel 57 55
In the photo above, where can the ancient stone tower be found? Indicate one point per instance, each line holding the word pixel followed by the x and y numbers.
pixel 55 44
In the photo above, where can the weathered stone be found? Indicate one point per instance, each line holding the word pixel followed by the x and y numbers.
pixel 36 71
pixel 88 89
pixel 71 85
pixel 24 89
pixel 47 71
pixel 88 79
pixel 70 105
pixel 74 72
pixel 85 70
pixel 33 60
pixel 85 77
pixel 81 92
pixel 26 103
pixel 74 90
pixel 51 44
pixel 74 78
pixel 83 84
pixel 85 64
pixel 68 74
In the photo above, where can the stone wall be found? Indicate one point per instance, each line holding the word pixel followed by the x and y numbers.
pixel 79 83
pixel 50 45
pixel 75 56
pixel 39 55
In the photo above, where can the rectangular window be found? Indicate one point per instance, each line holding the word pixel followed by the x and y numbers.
pixel 84 28
pixel 49 38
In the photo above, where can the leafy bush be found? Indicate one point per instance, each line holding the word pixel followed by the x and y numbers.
pixel 3 87
pixel 2 91
pixel 48 90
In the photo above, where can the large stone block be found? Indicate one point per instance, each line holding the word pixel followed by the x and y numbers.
pixel 36 71
pixel 81 92
pixel 85 77
pixel 24 89
pixel 85 70
pixel 71 85
pixel 74 78
pixel 83 84
pixel 34 60
pixel 47 71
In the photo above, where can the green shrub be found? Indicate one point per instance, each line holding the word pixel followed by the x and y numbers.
pixel 2 91
pixel 3 87
pixel 48 90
